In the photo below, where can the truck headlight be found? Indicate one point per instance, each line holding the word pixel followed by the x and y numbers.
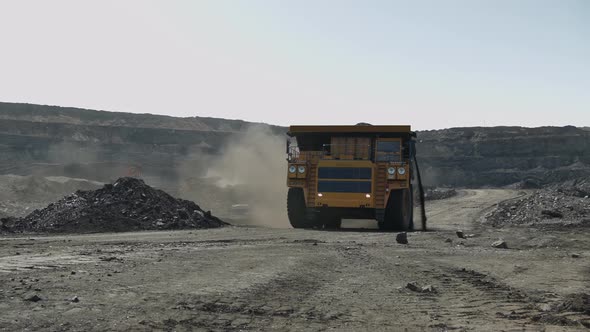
pixel 391 170
pixel 292 169
pixel 301 169
pixel 401 171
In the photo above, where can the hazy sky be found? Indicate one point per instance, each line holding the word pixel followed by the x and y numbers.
pixel 431 64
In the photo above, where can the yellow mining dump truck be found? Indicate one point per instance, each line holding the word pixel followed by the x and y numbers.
pixel 352 172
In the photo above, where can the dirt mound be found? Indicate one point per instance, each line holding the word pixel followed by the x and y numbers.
pixel 126 205
pixel 567 203
pixel 431 194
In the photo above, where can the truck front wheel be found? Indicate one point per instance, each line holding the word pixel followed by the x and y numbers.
pixel 398 213
pixel 296 209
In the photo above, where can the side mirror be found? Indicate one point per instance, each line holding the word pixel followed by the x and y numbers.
pixel 412 144
pixel 287 146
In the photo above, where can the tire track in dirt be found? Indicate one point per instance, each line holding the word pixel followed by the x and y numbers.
pixel 463 299
pixel 288 298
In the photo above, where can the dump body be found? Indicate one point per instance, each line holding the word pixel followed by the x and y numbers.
pixel 349 171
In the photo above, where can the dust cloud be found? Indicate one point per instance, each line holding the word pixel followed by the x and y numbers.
pixel 71 153
pixel 253 165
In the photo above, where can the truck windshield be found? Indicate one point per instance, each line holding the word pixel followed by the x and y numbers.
pixel 388 151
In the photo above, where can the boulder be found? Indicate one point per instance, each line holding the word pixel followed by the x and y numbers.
pixel 413 287
pixel 402 238
pixel 34 298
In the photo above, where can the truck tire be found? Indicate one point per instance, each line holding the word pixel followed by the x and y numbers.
pixel 399 211
pixel 296 209
pixel 333 223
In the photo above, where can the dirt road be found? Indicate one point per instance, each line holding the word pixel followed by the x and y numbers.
pixel 240 278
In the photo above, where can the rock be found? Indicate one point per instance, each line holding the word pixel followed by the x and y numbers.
pixel 448 240
pixel 75 299
pixel 402 238
pixel 34 298
pixel 575 255
pixel 460 234
pixel 545 307
pixel 73 272
pixel 428 289
pixel 413 287
pixel 552 213
pixel 500 244
pixel 109 258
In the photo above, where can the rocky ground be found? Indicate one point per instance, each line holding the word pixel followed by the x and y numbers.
pixel 244 278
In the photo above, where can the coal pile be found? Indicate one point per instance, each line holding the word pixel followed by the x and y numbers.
pixel 562 204
pixel 126 205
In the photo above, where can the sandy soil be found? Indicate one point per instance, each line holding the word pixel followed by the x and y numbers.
pixel 241 278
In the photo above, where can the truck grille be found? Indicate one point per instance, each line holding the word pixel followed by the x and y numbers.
pixel 345 180
pixel 345 173
pixel 344 186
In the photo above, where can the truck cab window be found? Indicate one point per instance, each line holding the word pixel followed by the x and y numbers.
pixel 388 151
